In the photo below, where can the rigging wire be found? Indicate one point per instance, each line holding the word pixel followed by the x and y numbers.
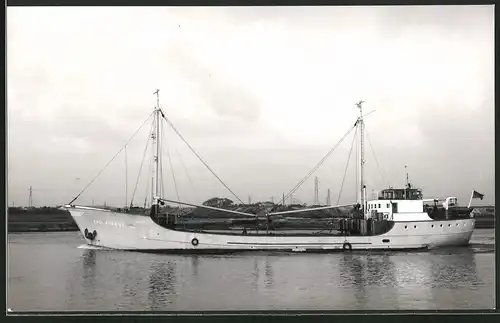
pixel 199 157
pixel 126 178
pixel 342 185
pixel 102 170
pixel 162 186
pixel 346 167
pixel 376 160
pixel 319 164
pixel 173 173
pixel 187 173
pixel 142 163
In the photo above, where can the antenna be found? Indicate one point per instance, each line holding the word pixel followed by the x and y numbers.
pixel 30 200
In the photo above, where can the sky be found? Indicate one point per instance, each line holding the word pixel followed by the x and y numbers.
pixel 261 93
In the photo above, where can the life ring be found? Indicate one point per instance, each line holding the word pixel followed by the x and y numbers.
pixel 347 246
pixel 194 242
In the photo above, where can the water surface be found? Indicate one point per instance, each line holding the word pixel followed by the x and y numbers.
pixel 54 272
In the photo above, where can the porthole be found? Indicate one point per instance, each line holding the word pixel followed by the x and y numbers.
pixel 432 225
pixel 449 225
pixel 415 226
pixel 406 227
pixel 385 240
pixel 457 224
pixel 441 225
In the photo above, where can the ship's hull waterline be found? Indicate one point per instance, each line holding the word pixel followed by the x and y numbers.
pixel 127 231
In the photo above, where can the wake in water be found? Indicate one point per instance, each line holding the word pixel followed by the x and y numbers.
pixel 90 247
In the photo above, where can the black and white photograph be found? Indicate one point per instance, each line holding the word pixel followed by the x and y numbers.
pixel 253 158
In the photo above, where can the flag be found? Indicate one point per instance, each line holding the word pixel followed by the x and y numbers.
pixel 477 195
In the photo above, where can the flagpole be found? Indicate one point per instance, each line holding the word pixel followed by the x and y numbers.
pixel 470 201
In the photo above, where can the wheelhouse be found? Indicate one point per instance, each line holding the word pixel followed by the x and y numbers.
pixel 401 194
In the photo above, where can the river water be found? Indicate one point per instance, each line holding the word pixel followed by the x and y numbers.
pixel 56 272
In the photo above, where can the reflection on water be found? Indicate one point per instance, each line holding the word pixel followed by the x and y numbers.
pixel 453 271
pixel 351 274
pixel 161 284
pixel 268 272
pixel 89 271
pixel 255 275
pixel 194 264
pixel 460 278
pixel 88 259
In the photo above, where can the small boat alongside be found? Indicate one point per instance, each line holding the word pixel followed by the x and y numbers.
pixel 398 219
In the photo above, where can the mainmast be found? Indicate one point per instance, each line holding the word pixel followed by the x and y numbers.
pixel 156 145
pixel 362 154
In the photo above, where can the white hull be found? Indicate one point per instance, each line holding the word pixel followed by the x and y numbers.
pixel 135 232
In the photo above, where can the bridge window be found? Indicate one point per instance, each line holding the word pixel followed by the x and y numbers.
pixel 379 206
pixel 388 205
